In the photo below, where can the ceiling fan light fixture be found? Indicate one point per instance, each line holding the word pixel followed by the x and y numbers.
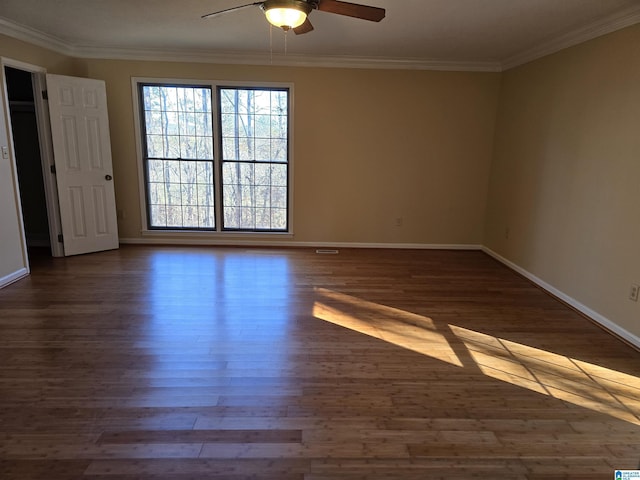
pixel 286 14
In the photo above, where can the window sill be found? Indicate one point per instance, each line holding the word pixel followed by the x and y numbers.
pixel 215 234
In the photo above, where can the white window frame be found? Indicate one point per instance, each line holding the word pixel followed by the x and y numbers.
pixel 217 145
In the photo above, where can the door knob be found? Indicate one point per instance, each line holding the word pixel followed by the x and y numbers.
pixel 108 177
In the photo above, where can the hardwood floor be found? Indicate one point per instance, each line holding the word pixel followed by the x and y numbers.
pixel 222 363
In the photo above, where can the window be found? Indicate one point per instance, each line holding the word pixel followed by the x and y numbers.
pixel 215 157
pixel 254 125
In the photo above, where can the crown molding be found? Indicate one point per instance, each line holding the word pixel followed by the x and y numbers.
pixel 34 37
pixel 603 26
pixel 289 60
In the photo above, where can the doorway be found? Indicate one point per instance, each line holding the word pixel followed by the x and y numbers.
pixel 31 137
pixel 24 131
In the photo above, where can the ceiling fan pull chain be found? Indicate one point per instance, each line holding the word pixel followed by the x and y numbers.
pixel 271 44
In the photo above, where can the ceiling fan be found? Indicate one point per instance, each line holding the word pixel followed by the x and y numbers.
pixel 293 14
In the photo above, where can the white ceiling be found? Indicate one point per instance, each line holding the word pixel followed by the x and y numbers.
pixel 447 34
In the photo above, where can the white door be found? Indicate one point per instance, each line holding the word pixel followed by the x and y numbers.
pixel 82 151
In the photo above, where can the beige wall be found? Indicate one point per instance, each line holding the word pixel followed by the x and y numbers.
pixel 369 146
pixel 565 178
pixel 41 57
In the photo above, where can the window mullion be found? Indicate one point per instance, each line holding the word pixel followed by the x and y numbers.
pixel 217 156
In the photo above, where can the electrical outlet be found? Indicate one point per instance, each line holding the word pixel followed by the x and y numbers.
pixel 399 221
pixel 633 293
pixel 5 152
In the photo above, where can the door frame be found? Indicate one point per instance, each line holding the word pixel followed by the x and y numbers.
pixel 39 82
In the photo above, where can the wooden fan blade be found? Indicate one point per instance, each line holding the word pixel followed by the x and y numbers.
pixel 306 27
pixel 365 12
pixel 220 12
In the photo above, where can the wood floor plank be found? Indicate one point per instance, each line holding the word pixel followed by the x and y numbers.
pixel 201 362
pixel 201 436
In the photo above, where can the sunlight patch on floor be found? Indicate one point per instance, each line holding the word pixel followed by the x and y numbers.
pixel 574 381
pixel 405 329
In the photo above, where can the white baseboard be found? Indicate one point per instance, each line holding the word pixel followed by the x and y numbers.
pixel 592 314
pixel 289 243
pixel 13 277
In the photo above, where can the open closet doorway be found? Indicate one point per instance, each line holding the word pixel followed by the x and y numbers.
pixel 72 122
pixel 30 133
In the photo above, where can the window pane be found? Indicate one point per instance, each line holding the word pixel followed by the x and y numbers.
pixel 181 194
pixel 187 123
pixel 278 150
pixel 246 173
pixel 172 171
pixel 279 102
pixel 178 134
pixel 170 123
pixel 205 147
pixel 189 194
pixel 168 99
pixel 247 149
pixel 251 198
pixel 278 219
pixel 227 121
pixel 263 126
pixel 174 216
pixel 279 175
pixel 204 172
pixel 227 101
pixel 231 217
pixel 254 124
pixel 247 218
pixel 171 147
pixel 203 124
pixel 279 126
pixel 188 172
pixel 155 146
pixel 230 148
pixel 254 129
pixel 262 101
pixel 155 170
pixel 185 99
pixel 202 100
pixel 150 97
pixel 263 219
pixel 154 123
pixel 263 149
pixel 206 217
pixel 279 197
pixel 263 174
pixel 174 194
pixel 263 197
pixel 158 215
pixel 157 194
